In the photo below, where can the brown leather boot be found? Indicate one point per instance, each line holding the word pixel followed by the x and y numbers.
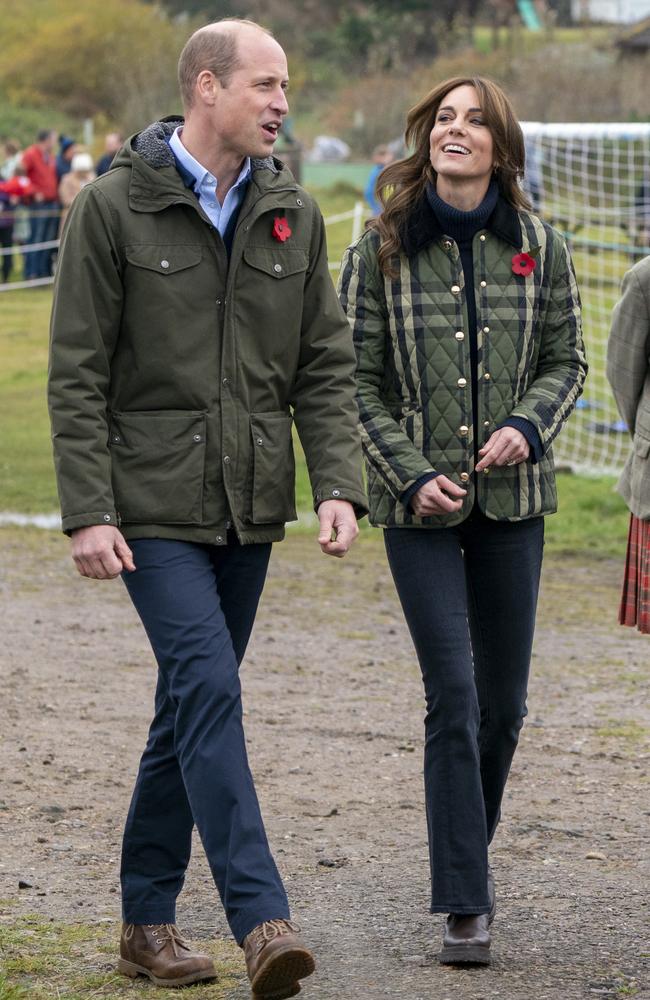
pixel 466 939
pixel 159 951
pixel 276 959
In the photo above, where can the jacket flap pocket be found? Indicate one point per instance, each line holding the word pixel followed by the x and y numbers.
pixel 163 259
pixel 641 446
pixel 158 465
pixel 274 471
pixel 278 263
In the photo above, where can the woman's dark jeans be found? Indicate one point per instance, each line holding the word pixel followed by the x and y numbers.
pixel 469 595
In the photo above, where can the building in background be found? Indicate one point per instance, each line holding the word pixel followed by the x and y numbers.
pixel 610 11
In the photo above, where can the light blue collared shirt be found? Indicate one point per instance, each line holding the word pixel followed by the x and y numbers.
pixel 206 185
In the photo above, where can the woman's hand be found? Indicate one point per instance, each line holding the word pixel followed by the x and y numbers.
pixel 438 496
pixel 507 446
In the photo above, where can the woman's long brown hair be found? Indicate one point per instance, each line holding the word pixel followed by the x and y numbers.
pixel 402 184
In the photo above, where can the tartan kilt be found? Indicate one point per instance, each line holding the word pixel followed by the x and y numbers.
pixel 635 598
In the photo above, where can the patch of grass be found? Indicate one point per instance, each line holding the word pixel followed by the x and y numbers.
pixel 592 518
pixel 629 731
pixel 26 472
pixel 43 959
pixel 9 992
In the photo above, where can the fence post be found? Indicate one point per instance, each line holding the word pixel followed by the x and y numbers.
pixel 357 220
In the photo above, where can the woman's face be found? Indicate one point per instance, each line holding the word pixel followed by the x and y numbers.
pixel 460 143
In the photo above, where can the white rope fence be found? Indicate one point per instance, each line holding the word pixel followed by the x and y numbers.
pixel 354 215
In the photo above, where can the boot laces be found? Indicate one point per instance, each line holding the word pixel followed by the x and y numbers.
pixel 162 933
pixel 271 929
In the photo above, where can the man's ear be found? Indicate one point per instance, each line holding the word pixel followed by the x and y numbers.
pixel 207 87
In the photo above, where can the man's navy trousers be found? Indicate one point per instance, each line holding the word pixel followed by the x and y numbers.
pixel 197 604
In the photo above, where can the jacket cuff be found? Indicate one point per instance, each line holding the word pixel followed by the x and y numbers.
pixel 74 521
pixel 411 490
pixel 358 499
pixel 531 434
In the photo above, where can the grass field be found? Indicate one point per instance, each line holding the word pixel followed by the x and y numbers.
pixel 76 961
pixel 592 518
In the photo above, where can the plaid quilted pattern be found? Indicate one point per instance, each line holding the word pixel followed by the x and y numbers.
pixel 635 598
pixel 413 367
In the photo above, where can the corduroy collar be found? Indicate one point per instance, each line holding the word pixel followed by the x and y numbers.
pixel 422 226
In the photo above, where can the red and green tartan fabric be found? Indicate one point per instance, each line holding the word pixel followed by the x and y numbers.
pixel 635 599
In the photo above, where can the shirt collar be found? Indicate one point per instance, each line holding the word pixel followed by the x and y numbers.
pixel 200 176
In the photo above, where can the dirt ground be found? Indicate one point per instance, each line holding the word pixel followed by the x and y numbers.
pixel 334 723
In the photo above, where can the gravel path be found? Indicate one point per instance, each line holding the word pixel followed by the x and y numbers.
pixel 334 722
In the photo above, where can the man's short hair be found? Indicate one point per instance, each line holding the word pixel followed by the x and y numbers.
pixel 216 51
pixel 43 134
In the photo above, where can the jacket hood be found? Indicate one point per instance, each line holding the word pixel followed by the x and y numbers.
pixel 152 145
pixel 155 181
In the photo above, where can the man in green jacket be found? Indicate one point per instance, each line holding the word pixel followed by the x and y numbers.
pixel 194 319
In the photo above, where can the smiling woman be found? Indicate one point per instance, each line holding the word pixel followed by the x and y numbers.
pixel 466 320
pixel 461 149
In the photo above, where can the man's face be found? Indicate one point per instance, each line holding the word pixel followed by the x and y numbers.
pixel 113 142
pixel 248 113
pixel 49 142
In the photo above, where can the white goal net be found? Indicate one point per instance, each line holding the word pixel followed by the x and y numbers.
pixel 592 182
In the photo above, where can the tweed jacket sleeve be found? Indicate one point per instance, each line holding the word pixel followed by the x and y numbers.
pixel 386 445
pixel 561 366
pixel 628 348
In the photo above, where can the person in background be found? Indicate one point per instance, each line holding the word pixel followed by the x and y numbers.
pixel 466 320
pixel 67 149
pixel 81 173
pixel 9 202
pixel 14 193
pixel 628 371
pixel 381 157
pixel 112 143
pixel 641 225
pixel 533 179
pixel 40 169
pixel 11 159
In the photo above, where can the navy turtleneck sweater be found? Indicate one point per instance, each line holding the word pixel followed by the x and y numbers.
pixel 462 227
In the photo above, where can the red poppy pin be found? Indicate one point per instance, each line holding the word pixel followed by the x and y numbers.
pixel 281 229
pixel 525 263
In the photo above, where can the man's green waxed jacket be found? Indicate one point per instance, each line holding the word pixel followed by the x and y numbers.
pixel 176 373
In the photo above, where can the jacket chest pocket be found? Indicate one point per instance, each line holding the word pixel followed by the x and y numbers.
pixel 150 263
pixel 278 264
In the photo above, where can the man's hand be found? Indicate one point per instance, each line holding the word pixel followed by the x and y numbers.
pixel 507 446
pixel 100 552
pixel 336 518
pixel 438 496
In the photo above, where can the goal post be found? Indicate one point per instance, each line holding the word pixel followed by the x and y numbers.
pixel 592 182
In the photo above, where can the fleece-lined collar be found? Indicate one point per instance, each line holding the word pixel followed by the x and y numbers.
pixel 152 144
pixel 155 181
pixel 423 227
